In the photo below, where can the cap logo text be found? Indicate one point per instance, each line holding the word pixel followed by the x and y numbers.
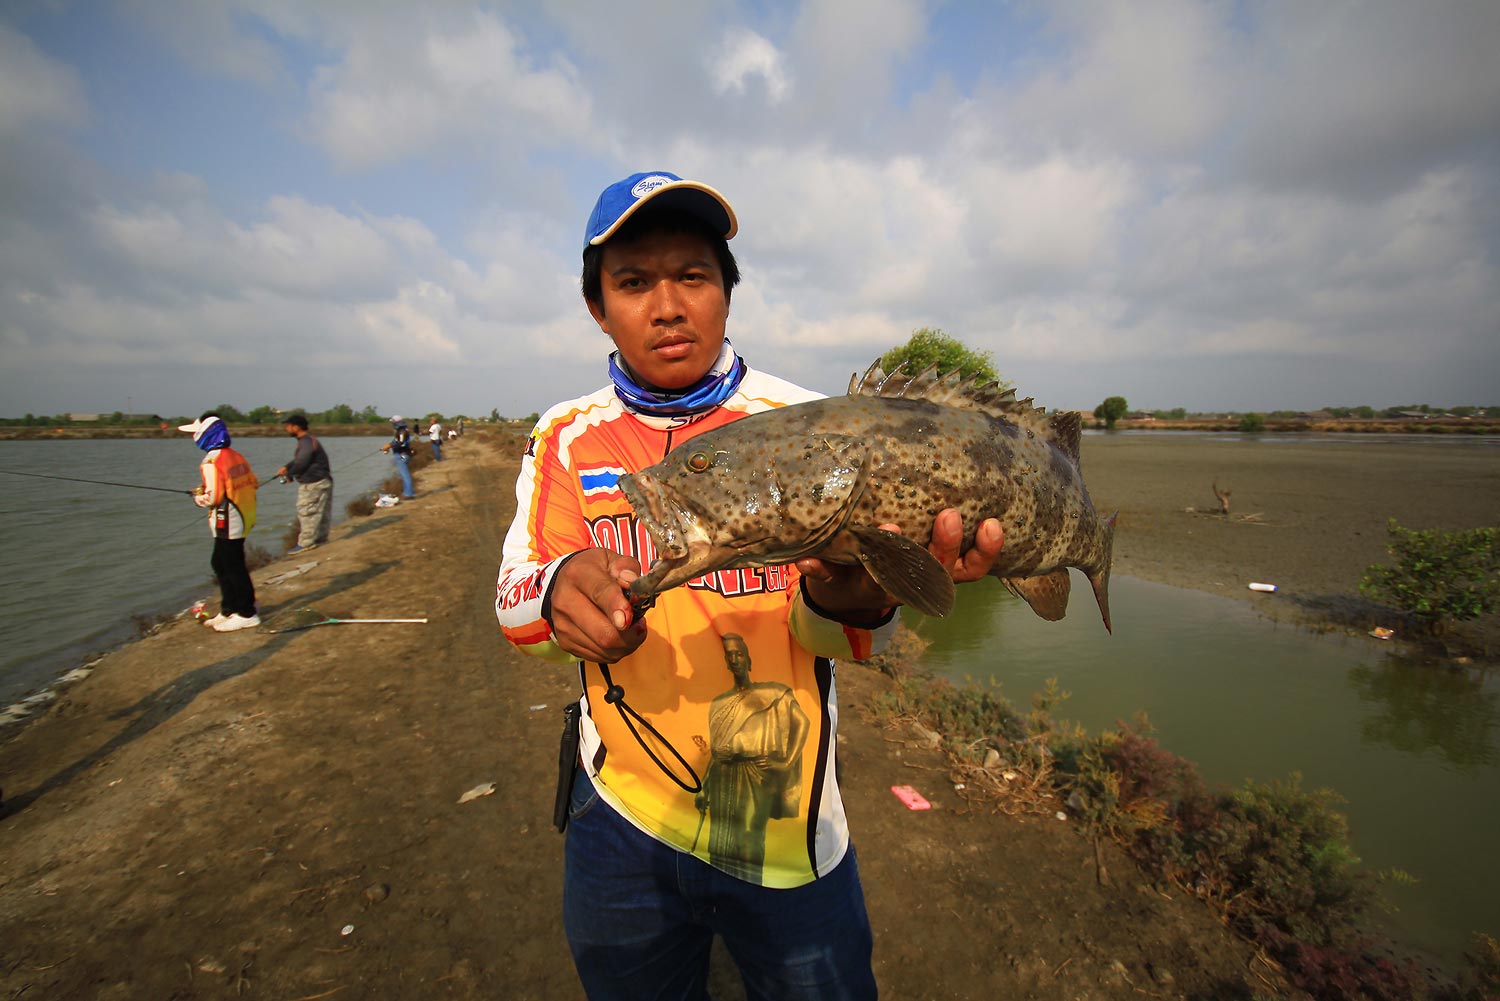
pixel 646 185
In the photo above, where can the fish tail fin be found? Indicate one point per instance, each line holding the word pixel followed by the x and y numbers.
pixel 1099 579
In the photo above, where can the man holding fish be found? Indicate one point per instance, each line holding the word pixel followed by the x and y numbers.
pixel 645 886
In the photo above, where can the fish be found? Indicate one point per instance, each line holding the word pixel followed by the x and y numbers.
pixel 821 478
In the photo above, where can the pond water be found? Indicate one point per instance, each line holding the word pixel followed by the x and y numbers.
pixel 81 559
pixel 1414 749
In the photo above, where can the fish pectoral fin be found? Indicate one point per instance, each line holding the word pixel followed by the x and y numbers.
pixel 1047 596
pixel 906 570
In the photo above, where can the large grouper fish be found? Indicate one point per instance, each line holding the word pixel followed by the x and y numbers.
pixel 820 478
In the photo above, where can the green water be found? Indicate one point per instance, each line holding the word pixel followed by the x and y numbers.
pixel 1413 749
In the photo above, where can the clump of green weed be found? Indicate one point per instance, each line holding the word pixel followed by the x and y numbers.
pixel 900 655
pixel 971 719
pixel 1125 783
pixel 1482 982
pixel 257 556
pixel 147 623
pixel 362 506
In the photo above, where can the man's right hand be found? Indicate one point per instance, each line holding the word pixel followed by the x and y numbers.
pixel 590 611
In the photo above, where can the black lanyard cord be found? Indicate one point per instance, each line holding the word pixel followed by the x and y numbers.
pixel 615 695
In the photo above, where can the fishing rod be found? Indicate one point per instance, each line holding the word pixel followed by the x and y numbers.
pixel 352 462
pixel 107 483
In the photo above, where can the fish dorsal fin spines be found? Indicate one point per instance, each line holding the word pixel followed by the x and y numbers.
pixel 954 390
pixel 1067 433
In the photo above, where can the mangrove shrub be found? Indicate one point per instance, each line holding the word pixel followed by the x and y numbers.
pixel 1439 577
pixel 930 346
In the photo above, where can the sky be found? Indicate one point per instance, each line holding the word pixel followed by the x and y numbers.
pixel 1221 206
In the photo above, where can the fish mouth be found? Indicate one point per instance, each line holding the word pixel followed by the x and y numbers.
pixel 674 530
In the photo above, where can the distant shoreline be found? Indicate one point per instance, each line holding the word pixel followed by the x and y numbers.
pixel 1231 425
pixel 83 433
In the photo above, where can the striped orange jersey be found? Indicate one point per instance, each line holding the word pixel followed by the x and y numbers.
pixel 723 743
pixel 229 487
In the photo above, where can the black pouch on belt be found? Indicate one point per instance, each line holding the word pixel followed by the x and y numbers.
pixel 567 764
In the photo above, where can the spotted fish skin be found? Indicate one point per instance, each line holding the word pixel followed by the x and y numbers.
pixel 819 478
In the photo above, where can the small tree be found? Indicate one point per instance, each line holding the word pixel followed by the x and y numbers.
pixel 1252 423
pixel 1439 577
pixel 929 345
pixel 1111 410
pixel 229 414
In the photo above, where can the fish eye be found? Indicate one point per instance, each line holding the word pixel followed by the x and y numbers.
pixel 699 461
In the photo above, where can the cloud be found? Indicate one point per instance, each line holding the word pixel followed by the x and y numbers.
pixel 212 37
pixel 845 52
pixel 296 249
pixel 1360 99
pixel 746 55
pixel 1209 204
pixel 411 85
pixel 39 91
pixel 1130 79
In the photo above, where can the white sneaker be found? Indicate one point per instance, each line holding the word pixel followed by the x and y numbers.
pixel 213 623
pixel 232 622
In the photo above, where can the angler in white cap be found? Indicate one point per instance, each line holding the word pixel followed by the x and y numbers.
pixel 697 783
pixel 228 491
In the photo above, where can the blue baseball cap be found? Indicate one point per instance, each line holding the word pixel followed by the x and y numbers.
pixel 620 200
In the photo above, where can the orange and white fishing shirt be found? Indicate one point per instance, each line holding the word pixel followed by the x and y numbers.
pixel 228 492
pixel 736 768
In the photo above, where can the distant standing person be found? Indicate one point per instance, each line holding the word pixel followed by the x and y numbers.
pixel 228 491
pixel 400 448
pixel 309 467
pixel 435 435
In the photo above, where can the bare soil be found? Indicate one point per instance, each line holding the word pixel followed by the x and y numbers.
pixel 277 816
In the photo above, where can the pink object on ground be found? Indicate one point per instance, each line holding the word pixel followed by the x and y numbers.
pixel 913 799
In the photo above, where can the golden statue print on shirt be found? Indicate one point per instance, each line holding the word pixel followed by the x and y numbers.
pixel 755 734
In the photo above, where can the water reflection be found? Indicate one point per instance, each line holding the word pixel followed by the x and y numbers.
pixel 1425 708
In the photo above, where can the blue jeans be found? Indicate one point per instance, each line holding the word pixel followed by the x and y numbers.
pixel 403 466
pixel 437 450
pixel 641 918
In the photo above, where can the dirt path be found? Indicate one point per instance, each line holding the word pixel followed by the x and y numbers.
pixel 207 814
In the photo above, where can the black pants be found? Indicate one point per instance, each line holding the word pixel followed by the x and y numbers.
pixel 236 590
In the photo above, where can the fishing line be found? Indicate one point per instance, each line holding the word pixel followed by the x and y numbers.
pixel 107 483
pixel 355 462
pixel 198 517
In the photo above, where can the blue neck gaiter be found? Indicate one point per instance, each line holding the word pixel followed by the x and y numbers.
pixel 216 435
pixel 705 394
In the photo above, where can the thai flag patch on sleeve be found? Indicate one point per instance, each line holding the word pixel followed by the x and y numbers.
pixel 600 480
